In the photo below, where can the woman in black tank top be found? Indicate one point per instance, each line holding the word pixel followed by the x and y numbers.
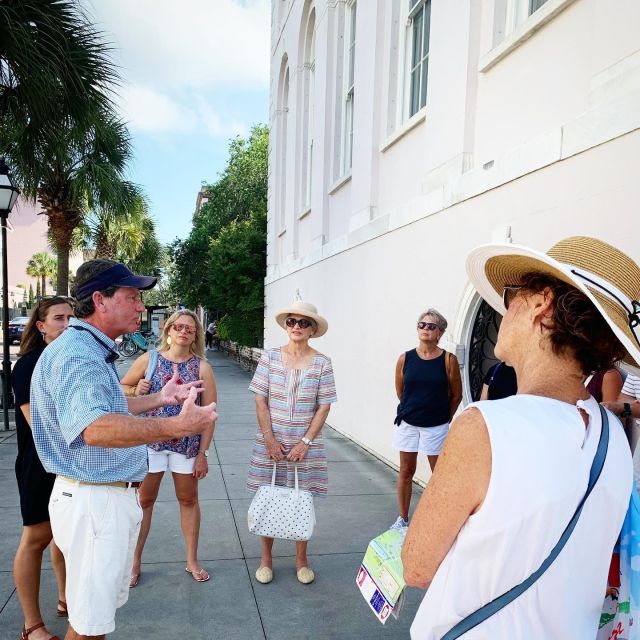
pixel 429 389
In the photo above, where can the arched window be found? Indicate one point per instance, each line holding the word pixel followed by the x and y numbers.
pixel 307 108
pixel 282 115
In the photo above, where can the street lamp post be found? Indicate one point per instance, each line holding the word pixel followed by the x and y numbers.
pixel 8 196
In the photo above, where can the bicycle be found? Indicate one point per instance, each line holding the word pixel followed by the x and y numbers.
pixel 133 342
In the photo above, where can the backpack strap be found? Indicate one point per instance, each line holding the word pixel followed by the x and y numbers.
pixel 151 366
pixel 502 601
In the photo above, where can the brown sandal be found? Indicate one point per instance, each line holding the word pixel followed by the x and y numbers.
pixel 62 611
pixel 25 633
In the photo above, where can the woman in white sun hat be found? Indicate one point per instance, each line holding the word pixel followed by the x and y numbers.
pixel 513 472
pixel 294 389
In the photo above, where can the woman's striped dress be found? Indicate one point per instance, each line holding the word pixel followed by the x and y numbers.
pixel 294 395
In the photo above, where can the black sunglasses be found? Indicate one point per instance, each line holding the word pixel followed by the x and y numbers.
pixel 509 292
pixel 432 326
pixel 303 323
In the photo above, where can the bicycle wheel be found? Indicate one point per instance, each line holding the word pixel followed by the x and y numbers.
pixel 128 348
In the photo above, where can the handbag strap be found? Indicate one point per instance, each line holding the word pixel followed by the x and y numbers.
pixel 502 601
pixel 295 475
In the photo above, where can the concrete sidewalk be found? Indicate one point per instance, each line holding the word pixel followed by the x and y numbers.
pixel 167 604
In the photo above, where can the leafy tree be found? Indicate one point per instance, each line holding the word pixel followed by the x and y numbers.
pixel 228 243
pixel 41 265
pixel 30 296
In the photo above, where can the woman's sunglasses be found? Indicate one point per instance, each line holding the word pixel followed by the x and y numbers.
pixel 303 323
pixel 179 328
pixel 432 326
pixel 509 292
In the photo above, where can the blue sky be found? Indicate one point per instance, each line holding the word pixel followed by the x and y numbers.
pixel 196 73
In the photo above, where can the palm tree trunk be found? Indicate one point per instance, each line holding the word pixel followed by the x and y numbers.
pixel 44 285
pixel 103 247
pixel 62 224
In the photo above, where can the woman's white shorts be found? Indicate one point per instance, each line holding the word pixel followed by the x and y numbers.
pixel 169 461
pixel 427 440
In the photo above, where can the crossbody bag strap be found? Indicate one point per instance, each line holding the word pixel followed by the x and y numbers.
pixel 502 601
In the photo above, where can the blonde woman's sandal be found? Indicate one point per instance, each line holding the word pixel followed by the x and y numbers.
pixel 25 633
pixel 264 575
pixel 62 611
pixel 199 576
pixel 305 575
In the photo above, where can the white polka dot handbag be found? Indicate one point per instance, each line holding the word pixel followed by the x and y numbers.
pixel 282 512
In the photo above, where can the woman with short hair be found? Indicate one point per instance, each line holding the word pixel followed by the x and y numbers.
pixel 294 389
pixel 429 388
pixel 513 472
pixel 181 349
pixel 48 320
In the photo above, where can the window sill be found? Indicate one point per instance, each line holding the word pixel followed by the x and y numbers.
pixel 282 232
pixel 304 213
pixel 523 32
pixel 411 123
pixel 340 182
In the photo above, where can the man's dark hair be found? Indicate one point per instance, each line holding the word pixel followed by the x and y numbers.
pixel 576 327
pixel 85 272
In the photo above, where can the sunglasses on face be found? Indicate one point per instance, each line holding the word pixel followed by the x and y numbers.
pixel 509 292
pixel 303 323
pixel 432 326
pixel 179 328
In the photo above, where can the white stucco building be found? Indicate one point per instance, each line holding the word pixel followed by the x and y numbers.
pixel 406 132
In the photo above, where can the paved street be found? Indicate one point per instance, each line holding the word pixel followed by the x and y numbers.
pixel 168 604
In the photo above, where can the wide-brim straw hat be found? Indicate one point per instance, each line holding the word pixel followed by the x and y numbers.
pixel 306 309
pixel 608 277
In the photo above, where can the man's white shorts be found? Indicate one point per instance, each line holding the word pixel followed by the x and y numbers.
pixel 427 440
pixel 169 461
pixel 96 528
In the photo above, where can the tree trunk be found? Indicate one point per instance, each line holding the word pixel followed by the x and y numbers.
pixel 62 223
pixel 44 285
pixel 103 247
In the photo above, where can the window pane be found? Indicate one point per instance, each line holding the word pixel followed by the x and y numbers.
pixel 416 45
pixel 415 91
pixel 426 28
pixel 423 85
pixel 534 5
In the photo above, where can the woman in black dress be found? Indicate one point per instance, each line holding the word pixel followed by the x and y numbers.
pixel 48 320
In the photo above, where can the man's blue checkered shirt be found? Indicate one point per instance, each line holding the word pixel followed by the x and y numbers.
pixel 72 386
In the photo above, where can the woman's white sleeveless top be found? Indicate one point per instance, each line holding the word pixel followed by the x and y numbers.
pixel 541 455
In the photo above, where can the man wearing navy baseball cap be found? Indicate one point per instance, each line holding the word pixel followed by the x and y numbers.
pixel 86 432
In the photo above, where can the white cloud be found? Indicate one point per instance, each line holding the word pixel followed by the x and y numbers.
pixel 198 44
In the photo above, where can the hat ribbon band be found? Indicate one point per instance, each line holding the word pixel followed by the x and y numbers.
pixel 631 307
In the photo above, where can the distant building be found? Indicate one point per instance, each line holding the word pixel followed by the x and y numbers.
pixel 406 132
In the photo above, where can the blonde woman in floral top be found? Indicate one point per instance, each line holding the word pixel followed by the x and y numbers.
pixel 182 351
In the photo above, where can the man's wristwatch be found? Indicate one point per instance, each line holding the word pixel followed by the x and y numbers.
pixel 306 441
pixel 626 411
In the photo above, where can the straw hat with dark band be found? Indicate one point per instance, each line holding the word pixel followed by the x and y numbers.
pixel 608 277
pixel 306 309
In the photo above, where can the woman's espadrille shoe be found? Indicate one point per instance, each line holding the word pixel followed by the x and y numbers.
pixel 264 575
pixel 305 575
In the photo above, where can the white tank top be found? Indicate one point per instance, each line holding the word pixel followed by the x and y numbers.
pixel 541 455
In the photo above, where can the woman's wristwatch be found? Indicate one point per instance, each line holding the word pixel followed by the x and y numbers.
pixel 626 410
pixel 306 441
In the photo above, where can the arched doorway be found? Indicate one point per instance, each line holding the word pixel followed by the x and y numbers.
pixel 482 342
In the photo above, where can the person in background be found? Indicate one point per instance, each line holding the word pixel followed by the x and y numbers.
pixel 429 388
pixel 500 382
pixel 211 330
pixel 294 389
pixel 514 471
pixel 605 386
pixel 182 350
pixel 48 320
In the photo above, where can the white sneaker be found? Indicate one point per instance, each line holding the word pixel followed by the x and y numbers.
pixel 400 523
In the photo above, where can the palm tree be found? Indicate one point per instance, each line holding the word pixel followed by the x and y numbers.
pixel 54 68
pixel 41 265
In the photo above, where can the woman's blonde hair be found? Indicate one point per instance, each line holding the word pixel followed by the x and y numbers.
pixel 197 346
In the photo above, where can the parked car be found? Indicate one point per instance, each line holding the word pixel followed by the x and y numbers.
pixel 16 327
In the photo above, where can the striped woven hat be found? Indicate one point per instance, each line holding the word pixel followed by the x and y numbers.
pixel 608 277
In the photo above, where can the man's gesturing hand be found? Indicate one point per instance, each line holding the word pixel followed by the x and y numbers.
pixel 193 418
pixel 174 392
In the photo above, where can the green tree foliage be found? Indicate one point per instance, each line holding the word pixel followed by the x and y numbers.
pixel 222 264
pixel 30 296
pixel 41 265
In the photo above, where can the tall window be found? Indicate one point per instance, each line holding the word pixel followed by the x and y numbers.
pixel 418 53
pixel 349 64
pixel 307 112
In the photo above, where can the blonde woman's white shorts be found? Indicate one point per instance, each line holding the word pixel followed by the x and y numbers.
pixel 96 528
pixel 427 440
pixel 169 461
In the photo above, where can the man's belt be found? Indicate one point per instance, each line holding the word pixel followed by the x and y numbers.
pixel 117 483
